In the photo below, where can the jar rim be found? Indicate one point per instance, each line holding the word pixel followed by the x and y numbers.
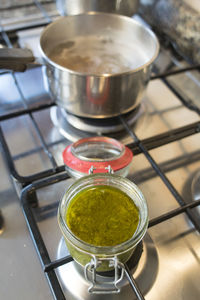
pixel 105 250
pixel 78 159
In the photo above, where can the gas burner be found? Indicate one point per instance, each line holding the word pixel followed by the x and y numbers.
pixel 74 128
pixel 191 192
pixel 1 223
pixel 196 190
pixel 196 186
pixel 143 265
pixel 102 126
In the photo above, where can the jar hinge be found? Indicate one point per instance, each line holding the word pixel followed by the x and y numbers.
pixel 105 287
pixel 110 170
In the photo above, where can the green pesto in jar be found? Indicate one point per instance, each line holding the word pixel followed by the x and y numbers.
pixel 102 216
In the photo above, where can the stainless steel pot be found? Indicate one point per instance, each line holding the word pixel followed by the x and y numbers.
pixel 91 94
pixel 75 7
pixel 100 95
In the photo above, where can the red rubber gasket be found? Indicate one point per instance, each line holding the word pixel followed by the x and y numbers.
pixel 77 164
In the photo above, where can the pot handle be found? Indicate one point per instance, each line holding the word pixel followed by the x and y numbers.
pixel 15 59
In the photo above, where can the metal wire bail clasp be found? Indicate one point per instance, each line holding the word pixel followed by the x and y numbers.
pixel 91 170
pixel 110 170
pixel 101 286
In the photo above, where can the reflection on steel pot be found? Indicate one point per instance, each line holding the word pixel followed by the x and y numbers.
pixel 98 64
pixel 75 7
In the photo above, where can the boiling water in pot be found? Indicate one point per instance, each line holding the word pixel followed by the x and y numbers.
pixel 98 55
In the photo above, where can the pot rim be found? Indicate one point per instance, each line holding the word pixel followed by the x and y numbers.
pixel 82 74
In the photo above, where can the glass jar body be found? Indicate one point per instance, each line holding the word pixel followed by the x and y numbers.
pixel 82 252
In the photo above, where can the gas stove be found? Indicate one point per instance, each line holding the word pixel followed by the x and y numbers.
pixel 165 142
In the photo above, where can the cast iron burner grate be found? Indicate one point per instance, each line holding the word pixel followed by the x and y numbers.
pixel 29 199
pixel 33 182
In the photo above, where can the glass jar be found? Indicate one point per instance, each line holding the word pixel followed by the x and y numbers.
pixel 96 155
pixel 107 257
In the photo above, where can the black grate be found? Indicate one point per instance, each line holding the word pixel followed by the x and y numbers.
pixel 33 182
pixel 27 195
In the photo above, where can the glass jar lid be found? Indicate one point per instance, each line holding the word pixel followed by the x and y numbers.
pixel 97 155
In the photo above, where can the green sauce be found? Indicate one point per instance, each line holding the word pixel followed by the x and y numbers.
pixel 102 216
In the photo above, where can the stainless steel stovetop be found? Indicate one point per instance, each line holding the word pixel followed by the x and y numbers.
pixel 166 147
